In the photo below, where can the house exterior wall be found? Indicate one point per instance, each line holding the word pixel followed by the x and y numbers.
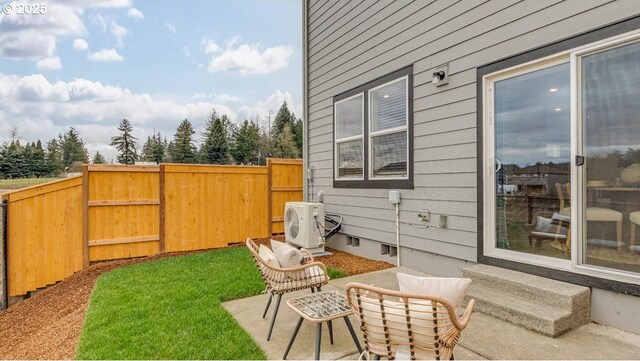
pixel 350 43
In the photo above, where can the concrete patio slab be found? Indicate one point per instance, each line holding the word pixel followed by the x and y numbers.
pixel 485 338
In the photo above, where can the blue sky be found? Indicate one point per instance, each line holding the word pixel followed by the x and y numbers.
pixel 88 64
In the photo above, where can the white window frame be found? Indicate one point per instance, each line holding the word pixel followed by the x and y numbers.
pixel 404 128
pixel 337 141
pixel 578 216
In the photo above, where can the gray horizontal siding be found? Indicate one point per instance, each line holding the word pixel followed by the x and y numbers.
pixel 353 42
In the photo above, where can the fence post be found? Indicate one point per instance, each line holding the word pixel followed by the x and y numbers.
pixel 4 287
pixel 269 197
pixel 85 216
pixel 161 211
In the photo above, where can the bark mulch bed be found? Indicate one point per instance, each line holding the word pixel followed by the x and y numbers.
pixel 47 325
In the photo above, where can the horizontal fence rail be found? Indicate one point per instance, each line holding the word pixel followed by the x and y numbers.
pixel 114 212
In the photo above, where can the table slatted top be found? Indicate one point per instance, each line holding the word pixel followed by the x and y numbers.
pixel 321 306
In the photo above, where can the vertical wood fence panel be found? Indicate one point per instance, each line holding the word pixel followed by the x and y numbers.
pixel 212 206
pixel 44 243
pixel 113 212
pixel 123 211
pixel 286 186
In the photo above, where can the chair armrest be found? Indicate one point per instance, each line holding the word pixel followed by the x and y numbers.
pixel 307 256
pixel 462 323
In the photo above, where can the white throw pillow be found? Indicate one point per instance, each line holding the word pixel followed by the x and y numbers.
pixel 451 290
pixel 268 256
pixel 287 255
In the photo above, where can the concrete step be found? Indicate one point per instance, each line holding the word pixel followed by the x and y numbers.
pixel 545 306
pixel 534 288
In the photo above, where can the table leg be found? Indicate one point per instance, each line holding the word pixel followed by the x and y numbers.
pixel 330 325
pixel 293 337
pixel 353 334
pixel 318 339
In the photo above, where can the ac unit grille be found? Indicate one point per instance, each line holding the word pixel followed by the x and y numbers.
pixel 292 222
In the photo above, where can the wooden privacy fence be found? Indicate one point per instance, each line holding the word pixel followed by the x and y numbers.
pixel 114 212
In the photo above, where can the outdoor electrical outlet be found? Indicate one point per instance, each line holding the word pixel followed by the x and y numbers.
pixel 443 221
pixel 424 215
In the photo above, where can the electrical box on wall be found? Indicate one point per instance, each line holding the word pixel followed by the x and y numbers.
pixel 394 197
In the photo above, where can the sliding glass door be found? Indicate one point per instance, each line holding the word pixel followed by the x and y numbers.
pixel 609 85
pixel 532 156
pixel 562 161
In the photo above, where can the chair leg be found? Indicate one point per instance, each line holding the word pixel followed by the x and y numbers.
pixel 330 325
pixel 619 235
pixel 275 314
pixel 319 289
pixel 264 314
pixel 353 334
pixel 313 290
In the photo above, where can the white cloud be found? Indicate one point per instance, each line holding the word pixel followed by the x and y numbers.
pixel 108 24
pixel 35 37
pixel 217 98
pixel 209 46
pixel 41 109
pixel 171 27
pixel 80 44
pixel 53 63
pixel 246 59
pixel 105 55
pixel 118 32
pixel 271 105
pixel 135 14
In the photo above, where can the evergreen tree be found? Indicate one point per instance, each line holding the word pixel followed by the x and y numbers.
pixel 73 149
pixel 125 143
pixel 40 161
pixel 12 160
pixel 247 143
pixel 283 118
pixel 98 158
pixel 182 149
pixel 154 149
pixel 284 145
pixel 215 145
pixel 53 159
pixel 297 132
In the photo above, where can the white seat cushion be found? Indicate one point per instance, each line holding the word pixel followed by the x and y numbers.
pixel 603 214
pixel 635 217
pixel 451 290
pixel 268 256
pixel 287 255
pixel 597 214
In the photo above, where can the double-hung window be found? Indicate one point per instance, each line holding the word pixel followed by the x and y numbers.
pixel 372 134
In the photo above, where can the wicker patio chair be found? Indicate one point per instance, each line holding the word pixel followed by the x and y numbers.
pixel 309 275
pixel 401 326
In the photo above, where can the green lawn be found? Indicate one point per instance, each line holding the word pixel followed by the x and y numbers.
pixel 170 309
pixel 23 182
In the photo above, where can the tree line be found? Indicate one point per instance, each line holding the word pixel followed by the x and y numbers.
pixel 221 142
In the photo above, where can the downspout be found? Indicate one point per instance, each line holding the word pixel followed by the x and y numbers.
pixel 305 111
pixel 398 234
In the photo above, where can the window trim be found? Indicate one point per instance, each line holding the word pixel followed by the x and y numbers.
pixel 394 130
pixel 607 36
pixel 367 182
pixel 337 141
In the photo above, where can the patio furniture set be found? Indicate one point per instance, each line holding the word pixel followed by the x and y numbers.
pixel 417 322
